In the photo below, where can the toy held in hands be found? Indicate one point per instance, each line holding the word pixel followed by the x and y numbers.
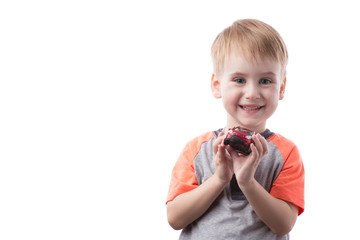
pixel 240 139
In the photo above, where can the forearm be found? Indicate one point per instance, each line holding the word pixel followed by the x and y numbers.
pixel 280 216
pixel 187 207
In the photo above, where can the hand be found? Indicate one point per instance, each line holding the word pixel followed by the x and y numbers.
pixel 244 167
pixel 223 161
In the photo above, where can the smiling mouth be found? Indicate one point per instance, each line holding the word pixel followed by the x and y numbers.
pixel 250 108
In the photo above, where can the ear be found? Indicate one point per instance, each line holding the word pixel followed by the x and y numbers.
pixel 215 86
pixel 282 89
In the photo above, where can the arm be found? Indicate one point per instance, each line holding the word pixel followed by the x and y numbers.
pixel 189 206
pixel 280 216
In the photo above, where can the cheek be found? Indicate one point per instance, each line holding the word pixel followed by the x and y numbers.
pixel 230 100
pixel 272 102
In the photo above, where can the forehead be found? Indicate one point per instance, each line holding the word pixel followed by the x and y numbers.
pixel 242 63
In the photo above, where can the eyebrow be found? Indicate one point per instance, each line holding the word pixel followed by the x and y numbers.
pixel 235 74
pixel 269 73
pixel 244 74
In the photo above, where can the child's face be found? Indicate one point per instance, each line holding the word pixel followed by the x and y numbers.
pixel 250 91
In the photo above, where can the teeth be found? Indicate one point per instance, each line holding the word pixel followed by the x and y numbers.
pixel 250 108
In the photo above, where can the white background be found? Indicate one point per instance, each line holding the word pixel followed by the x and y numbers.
pixel 98 98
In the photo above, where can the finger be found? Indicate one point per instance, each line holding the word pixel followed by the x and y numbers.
pixel 230 162
pixel 227 153
pixel 233 152
pixel 258 145
pixel 264 145
pixel 220 134
pixel 224 152
pixel 221 157
pixel 254 151
pixel 217 142
pixel 217 155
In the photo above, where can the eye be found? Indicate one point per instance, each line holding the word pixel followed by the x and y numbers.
pixel 265 81
pixel 239 80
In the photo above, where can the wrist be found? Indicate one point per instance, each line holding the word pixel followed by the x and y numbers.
pixel 220 181
pixel 248 185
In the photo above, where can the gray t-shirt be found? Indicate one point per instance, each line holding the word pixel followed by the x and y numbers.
pixel 231 216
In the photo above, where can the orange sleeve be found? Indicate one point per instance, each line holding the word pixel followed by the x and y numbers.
pixel 183 178
pixel 289 185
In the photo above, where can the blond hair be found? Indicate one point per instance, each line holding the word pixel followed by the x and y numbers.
pixel 253 38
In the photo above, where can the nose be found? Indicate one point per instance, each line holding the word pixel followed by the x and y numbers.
pixel 252 91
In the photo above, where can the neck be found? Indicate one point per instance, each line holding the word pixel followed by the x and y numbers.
pixel 257 129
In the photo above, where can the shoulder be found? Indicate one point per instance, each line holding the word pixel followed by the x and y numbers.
pixel 194 145
pixel 289 184
pixel 183 177
pixel 280 140
pixel 198 147
pixel 284 145
pixel 205 137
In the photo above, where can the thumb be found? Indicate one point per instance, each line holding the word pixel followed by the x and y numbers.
pixel 233 152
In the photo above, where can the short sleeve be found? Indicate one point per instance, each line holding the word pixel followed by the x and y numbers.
pixel 183 177
pixel 289 184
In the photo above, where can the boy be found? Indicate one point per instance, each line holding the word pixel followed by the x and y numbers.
pixel 218 193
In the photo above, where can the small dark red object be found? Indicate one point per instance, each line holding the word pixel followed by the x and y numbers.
pixel 240 139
